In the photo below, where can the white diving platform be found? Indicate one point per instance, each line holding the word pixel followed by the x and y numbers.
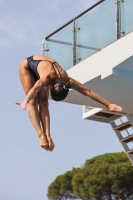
pixel 108 72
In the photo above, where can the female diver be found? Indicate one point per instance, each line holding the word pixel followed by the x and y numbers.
pixel 39 76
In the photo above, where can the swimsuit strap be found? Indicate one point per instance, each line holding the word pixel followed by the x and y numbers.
pixel 54 65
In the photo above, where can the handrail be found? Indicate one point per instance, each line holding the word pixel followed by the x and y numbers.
pixel 74 19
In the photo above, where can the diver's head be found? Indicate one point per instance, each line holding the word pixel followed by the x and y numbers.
pixel 60 90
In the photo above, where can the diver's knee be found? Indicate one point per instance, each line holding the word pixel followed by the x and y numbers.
pixel 32 102
pixel 44 102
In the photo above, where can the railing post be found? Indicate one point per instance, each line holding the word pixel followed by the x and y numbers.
pixel 118 18
pixel 74 44
pixel 43 43
pixel 120 32
pixel 43 47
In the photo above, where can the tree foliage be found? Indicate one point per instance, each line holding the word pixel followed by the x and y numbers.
pixel 105 177
pixel 61 188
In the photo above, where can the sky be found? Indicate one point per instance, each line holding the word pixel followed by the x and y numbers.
pixel 26 170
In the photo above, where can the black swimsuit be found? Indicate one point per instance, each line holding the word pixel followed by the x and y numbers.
pixel 32 66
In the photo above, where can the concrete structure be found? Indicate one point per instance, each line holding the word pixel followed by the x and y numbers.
pixel 108 72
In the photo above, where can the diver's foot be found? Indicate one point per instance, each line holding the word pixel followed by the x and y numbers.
pixel 51 144
pixel 43 141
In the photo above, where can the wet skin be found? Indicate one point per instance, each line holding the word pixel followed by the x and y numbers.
pixel 37 93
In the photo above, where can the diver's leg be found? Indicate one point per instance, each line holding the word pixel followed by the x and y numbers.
pixel 44 114
pixel 28 81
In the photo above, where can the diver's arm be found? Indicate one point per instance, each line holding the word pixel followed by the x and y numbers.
pixel 35 89
pixel 85 91
pixel 43 82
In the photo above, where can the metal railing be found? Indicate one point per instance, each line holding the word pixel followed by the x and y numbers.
pixel 76 42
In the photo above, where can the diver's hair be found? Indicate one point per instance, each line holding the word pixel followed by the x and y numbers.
pixel 60 90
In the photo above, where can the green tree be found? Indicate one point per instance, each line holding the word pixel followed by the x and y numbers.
pixel 61 188
pixel 105 177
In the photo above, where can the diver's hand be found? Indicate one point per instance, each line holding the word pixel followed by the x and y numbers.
pixel 114 107
pixel 23 104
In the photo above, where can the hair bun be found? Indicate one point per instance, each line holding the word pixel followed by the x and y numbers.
pixel 67 85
